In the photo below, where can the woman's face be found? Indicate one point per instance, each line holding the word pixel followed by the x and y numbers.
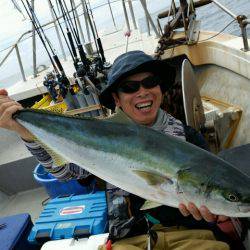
pixel 141 106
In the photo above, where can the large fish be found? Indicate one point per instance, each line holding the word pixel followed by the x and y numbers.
pixel 158 167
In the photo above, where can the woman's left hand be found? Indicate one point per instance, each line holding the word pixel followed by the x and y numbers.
pixel 201 213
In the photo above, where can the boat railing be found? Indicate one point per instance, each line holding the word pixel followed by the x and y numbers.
pixel 53 22
pixel 242 20
pixel 15 46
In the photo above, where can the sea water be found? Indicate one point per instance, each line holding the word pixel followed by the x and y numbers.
pixel 212 17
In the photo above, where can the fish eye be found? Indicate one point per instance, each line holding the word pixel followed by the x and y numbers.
pixel 232 197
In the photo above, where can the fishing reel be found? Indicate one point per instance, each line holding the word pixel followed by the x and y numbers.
pixel 81 71
pixel 50 83
pixel 64 85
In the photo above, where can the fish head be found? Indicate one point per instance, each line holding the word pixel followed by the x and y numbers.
pixel 223 189
pixel 232 193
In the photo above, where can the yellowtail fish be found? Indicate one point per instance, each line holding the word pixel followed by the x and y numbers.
pixel 160 168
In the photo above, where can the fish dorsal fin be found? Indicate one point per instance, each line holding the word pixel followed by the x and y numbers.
pixel 57 159
pixel 153 178
pixel 120 117
pixel 150 204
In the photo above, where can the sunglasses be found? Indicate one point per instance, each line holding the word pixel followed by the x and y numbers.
pixel 130 87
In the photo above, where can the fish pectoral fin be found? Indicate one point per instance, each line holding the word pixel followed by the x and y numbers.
pixel 153 178
pixel 150 204
pixel 57 159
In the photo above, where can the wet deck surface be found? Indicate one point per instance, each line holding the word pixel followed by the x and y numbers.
pixel 24 202
pixel 11 147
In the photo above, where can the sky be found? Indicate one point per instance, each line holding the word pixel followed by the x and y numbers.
pixel 12 23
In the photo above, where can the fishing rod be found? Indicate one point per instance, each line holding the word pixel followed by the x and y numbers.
pixel 74 17
pixel 18 8
pixel 97 39
pixel 91 26
pixel 87 76
pixel 70 46
pixel 84 70
pixel 39 28
pixel 69 35
pixel 99 42
pixel 69 19
pixel 52 80
pixel 82 53
pixel 71 29
pixel 40 36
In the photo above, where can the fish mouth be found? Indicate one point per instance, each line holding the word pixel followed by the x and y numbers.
pixel 244 208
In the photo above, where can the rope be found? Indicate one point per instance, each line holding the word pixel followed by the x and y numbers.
pixel 218 32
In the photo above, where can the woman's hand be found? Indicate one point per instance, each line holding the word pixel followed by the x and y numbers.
pixel 201 213
pixel 7 108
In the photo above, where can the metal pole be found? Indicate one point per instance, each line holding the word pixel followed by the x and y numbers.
pixel 240 19
pixel 78 21
pixel 225 9
pixel 126 15
pixel 147 21
pixel 111 12
pixel 132 13
pixel 20 63
pixel 86 19
pixel 57 30
pixel 34 43
pixel 150 19
pixel 246 21
pixel 243 22
pixel 244 37
pixel 159 26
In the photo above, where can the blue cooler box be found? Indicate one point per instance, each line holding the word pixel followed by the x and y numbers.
pixel 71 217
pixel 14 232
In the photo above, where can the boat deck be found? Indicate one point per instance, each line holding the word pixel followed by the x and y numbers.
pixel 29 201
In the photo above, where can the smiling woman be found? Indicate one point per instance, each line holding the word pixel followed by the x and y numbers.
pixel 141 105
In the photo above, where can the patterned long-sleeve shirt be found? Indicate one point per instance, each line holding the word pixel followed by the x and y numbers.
pixel 63 173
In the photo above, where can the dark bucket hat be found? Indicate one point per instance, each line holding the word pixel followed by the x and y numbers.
pixel 131 63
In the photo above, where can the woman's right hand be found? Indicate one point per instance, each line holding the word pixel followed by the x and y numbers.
pixel 7 108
